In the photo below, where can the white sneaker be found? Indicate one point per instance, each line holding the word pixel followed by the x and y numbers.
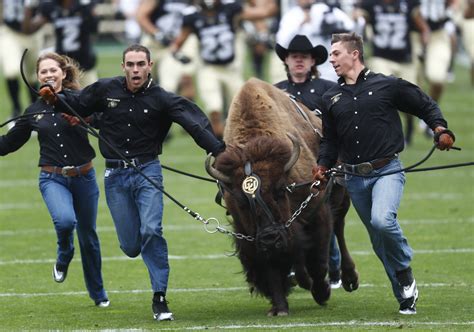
pixel 335 284
pixel 163 316
pixel 103 304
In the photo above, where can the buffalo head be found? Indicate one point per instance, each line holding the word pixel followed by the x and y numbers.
pixel 254 179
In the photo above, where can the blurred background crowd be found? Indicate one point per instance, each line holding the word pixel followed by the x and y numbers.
pixel 200 47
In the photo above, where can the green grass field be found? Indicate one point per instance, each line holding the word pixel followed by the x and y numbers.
pixel 207 289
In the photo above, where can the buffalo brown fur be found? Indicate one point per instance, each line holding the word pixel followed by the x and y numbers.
pixel 260 122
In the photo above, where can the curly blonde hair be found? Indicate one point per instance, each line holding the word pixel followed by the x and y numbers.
pixel 67 65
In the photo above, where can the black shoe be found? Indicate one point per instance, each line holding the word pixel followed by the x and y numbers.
pixel 408 306
pixel 160 308
pixel 409 292
pixel 59 272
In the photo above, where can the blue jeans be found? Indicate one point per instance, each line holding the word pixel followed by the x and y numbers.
pixel 136 207
pixel 72 204
pixel 376 201
pixel 334 255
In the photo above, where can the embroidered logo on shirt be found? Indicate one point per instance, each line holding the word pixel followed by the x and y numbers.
pixel 335 99
pixel 112 103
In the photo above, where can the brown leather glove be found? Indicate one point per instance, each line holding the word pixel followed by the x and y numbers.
pixel 319 174
pixel 73 120
pixel 47 93
pixel 444 138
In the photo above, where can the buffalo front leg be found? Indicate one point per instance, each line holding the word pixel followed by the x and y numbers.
pixel 278 287
pixel 317 257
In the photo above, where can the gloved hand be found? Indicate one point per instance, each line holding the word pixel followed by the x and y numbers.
pixel 46 92
pixel 184 59
pixel 444 138
pixel 73 120
pixel 319 174
pixel 162 38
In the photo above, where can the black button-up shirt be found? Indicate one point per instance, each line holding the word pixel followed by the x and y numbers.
pixel 361 121
pixel 310 92
pixel 136 123
pixel 60 143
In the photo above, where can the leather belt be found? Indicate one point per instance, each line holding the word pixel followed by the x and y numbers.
pixel 68 171
pixel 120 163
pixel 367 167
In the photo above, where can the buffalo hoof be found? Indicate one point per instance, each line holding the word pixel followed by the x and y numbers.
pixel 321 292
pixel 277 312
pixel 350 280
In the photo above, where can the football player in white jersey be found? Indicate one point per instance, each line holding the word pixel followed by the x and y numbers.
pixel 213 22
pixel 13 43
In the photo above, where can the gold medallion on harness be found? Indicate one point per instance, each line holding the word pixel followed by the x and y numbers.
pixel 250 185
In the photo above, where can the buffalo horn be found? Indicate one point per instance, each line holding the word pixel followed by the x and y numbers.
pixel 294 154
pixel 218 175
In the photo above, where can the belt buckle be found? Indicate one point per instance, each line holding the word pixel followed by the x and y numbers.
pixel 65 170
pixel 365 168
pixel 133 162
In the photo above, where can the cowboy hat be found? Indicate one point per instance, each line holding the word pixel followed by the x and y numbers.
pixel 302 44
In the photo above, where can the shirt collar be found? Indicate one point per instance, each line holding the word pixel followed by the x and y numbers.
pixel 148 84
pixel 362 76
pixel 309 78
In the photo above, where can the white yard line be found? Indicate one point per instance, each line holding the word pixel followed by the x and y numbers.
pixel 353 324
pixel 196 226
pixel 224 256
pixel 205 290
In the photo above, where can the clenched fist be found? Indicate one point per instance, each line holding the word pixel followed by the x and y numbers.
pixel 46 92
pixel 73 120
pixel 444 138
pixel 319 174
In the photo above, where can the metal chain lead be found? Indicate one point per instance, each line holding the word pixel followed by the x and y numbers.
pixel 241 236
pixel 304 204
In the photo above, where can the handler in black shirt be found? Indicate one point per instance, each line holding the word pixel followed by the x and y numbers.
pixel 303 83
pixel 361 125
pixel 136 116
pixel 67 179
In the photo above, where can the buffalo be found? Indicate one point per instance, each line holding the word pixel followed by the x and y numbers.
pixel 272 142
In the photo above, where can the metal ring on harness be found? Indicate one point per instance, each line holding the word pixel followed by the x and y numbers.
pixel 206 225
pixel 314 185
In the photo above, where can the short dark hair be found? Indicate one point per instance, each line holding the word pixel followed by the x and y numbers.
pixel 137 48
pixel 352 41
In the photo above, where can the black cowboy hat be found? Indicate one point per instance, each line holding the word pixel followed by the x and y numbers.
pixel 302 44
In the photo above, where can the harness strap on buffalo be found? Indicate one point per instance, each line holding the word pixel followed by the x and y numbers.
pixel 251 188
